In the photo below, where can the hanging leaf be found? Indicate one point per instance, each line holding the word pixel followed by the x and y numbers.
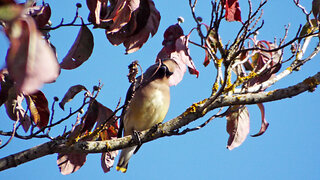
pixel 316 8
pixel 38 105
pixel 72 91
pixel 264 123
pixel 5 85
pixel 15 110
pixel 144 21
pixel 238 126
pixel 91 116
pixel 30 60
pixel 233 12
pixel 70 162
pixel 109 132
pixel 107 160
pixel 80 51
pixel 176 48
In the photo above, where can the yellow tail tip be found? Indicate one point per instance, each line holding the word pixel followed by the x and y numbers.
pixel 123 170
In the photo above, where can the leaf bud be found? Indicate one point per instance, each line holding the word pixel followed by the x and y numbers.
pixel 180 20
pixel 79 5
pixel 56 98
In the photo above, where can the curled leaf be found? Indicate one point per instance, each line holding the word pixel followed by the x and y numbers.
pixel 238 126
pixel 40 14
pixel 264 123
pixel 144 21
pixel 80 51
pixel 15 110
pixel 30 60
pixel 38 105
pixel 72 91
pixel 176 48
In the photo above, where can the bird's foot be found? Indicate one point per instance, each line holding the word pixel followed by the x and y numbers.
pixel 136 137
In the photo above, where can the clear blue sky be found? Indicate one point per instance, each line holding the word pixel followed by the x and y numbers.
pixel 288 150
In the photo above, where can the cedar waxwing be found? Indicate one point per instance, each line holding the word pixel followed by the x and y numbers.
pixel 148 106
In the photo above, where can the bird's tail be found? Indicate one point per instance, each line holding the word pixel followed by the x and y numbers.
pixel 124 158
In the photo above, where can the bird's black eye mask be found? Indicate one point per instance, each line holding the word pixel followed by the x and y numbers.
pixel 164 71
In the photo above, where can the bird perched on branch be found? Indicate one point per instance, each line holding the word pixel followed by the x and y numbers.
pixel 147 105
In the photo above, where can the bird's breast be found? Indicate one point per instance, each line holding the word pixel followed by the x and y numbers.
pixel 148 107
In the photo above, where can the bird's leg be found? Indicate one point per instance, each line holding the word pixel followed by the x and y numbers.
pixel 136 137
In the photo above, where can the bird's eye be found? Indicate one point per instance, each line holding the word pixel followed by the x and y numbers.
pixel 164 71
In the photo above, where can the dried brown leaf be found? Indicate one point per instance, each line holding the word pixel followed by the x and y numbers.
pixel 72 91
pixel 144 21
pixel 80 51
pixel 5 85
pixel 38 105
pixel 316 8
pixel 15 110
pixel 41 14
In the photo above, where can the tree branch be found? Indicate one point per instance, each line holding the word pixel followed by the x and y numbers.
pixel 169 128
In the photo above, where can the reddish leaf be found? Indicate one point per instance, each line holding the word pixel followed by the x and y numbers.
pixel 40 14
pixel 30 60
pixel 15 110
pixel 80 51
pixel 238 126
pixel 38 105
pixel 107 160
pixel 119 17
pixel 5 85
pixel 264 123
pixel 70 162
pixel 316 8
pixel 233 12
pixel 104 13
pixel 72 91
pixel 267 62
pixel 144 21
pixel 5 2
pixel 176 48
pixel 90 118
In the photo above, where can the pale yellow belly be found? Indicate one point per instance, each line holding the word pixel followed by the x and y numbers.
pixel 145 112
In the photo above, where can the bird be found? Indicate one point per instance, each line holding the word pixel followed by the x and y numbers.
pixel 147 106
